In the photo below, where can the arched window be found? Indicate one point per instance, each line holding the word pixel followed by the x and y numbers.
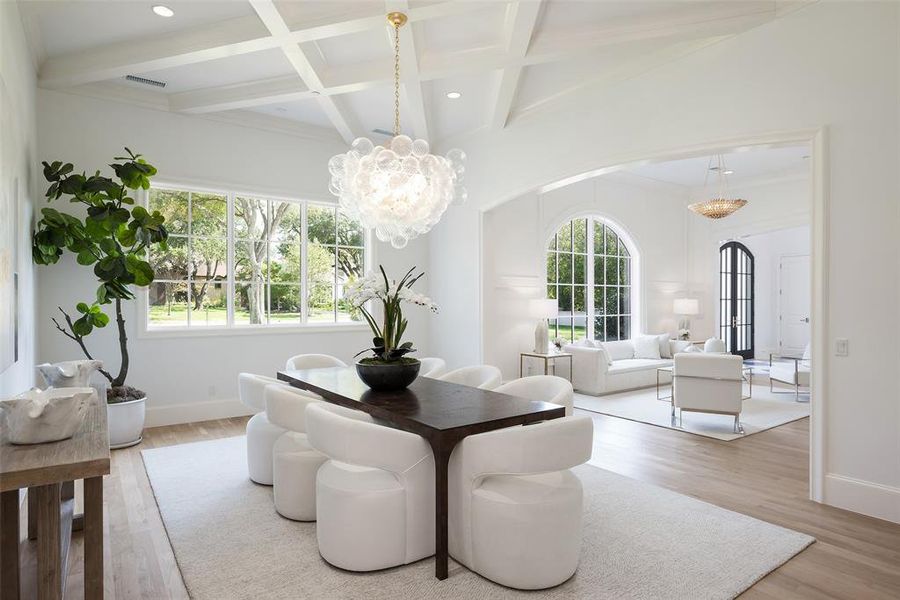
pixel 589 272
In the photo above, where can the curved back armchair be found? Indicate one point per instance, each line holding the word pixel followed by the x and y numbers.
pixel 261 434
pixel 484 377
pixel 313 361
pixel 543 388
pixel 432 367
pixel 375 496
pixel 714 346
pixel 500 480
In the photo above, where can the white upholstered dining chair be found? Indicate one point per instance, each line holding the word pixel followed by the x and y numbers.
pixel 543 388
pixel 484 377
pixel 313 361
pixel 432 367
pixel 375 494
pixel 261 434
pixel 709 383
pixel 515 508
pixel 294 461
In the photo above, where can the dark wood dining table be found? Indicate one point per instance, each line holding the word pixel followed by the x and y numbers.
pixel 443 413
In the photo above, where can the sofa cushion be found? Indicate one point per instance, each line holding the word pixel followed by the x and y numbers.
pixel 665 350
pixel 638 364
pixel 646 346
pixel 620 350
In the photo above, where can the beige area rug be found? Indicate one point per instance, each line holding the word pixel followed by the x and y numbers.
pixel 640 541
pixel 764 410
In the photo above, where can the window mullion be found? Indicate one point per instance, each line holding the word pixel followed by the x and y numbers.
pixel 190 254
pixel 304 250
pixel 229 260
pixel 589 265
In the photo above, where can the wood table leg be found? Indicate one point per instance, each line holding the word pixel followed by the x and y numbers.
pixel 49 572
pixel 93 537
pixel 9 545
pixel 32 513
pixel 442 452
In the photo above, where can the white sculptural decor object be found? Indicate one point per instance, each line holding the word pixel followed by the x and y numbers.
pixel 400 190
pixel 70 373
pixel 50 415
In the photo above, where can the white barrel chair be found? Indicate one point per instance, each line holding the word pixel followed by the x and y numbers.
pixel 432 367
pixel 261 434
pixel 312 361
pixel 515 509
pixel 714 346
pixel 375 494
pixel 294 461
pixel 484 377
pixel 543 388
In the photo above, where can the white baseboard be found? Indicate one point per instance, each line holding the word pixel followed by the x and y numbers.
pixel 865 497
pixel 195 411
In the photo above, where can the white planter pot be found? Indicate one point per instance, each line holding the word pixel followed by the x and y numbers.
pixel 126 422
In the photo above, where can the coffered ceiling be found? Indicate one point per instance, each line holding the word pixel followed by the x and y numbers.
pixel 325 67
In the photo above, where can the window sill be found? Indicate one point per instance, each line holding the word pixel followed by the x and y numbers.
pixel 242 330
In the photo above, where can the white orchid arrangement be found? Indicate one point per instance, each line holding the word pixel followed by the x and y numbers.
pixel 387 343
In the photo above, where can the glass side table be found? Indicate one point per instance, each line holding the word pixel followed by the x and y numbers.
pixel 547 358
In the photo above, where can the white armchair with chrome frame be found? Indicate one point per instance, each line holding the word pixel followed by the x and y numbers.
pixel 792 371
pixel 709 383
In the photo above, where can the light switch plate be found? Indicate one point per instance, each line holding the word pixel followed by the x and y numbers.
pixel 841 347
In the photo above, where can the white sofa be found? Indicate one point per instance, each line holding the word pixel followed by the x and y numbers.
pixel 606 367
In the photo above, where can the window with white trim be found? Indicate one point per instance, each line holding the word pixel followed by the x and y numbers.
pixel 240 260
pixel 589 273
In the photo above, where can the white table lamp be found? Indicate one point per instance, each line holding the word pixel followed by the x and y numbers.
pixel 686 307
pixel 542 309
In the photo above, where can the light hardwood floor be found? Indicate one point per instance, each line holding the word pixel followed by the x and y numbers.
pixel 764 476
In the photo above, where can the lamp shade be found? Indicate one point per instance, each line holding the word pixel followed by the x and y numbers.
pixel 543 308
pixel 686 306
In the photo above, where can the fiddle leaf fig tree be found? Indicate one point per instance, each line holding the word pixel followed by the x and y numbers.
pixel 113 239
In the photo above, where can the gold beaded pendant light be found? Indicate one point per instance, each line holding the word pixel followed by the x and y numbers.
pixel 720 206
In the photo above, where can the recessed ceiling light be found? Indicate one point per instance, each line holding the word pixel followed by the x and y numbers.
pixel 163 11
pixel 454 95
pixel 728 172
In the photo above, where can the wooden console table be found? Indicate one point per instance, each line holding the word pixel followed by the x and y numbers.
pixel 48 472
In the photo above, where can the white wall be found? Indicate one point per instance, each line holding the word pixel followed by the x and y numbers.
pixel 830 64
pixel 193 378
pixel 768 250
pixel 516 234
pixel 17 168
pixel 774 222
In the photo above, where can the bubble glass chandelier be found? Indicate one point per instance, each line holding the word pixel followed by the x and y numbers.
pixel 398 189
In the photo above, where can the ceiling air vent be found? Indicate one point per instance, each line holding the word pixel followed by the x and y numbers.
pixel 383 132
pixel 145 81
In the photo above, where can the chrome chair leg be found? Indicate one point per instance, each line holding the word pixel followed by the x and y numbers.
pixel 738 428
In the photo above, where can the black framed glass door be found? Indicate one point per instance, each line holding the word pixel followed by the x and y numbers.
pixel 736 298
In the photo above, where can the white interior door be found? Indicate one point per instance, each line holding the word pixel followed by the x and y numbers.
pixel 794 304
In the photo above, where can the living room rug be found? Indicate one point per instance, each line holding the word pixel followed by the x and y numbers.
pixel 640 541
pixel 764 410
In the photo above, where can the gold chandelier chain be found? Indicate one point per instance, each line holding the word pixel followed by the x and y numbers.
pixel 396 79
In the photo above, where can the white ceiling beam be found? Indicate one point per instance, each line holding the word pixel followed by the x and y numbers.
pixel 360 76
pixel 521 20
pixel 411 87
pixel 274 22
pixel 242 95
pixel 233 37
pixel 227 38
